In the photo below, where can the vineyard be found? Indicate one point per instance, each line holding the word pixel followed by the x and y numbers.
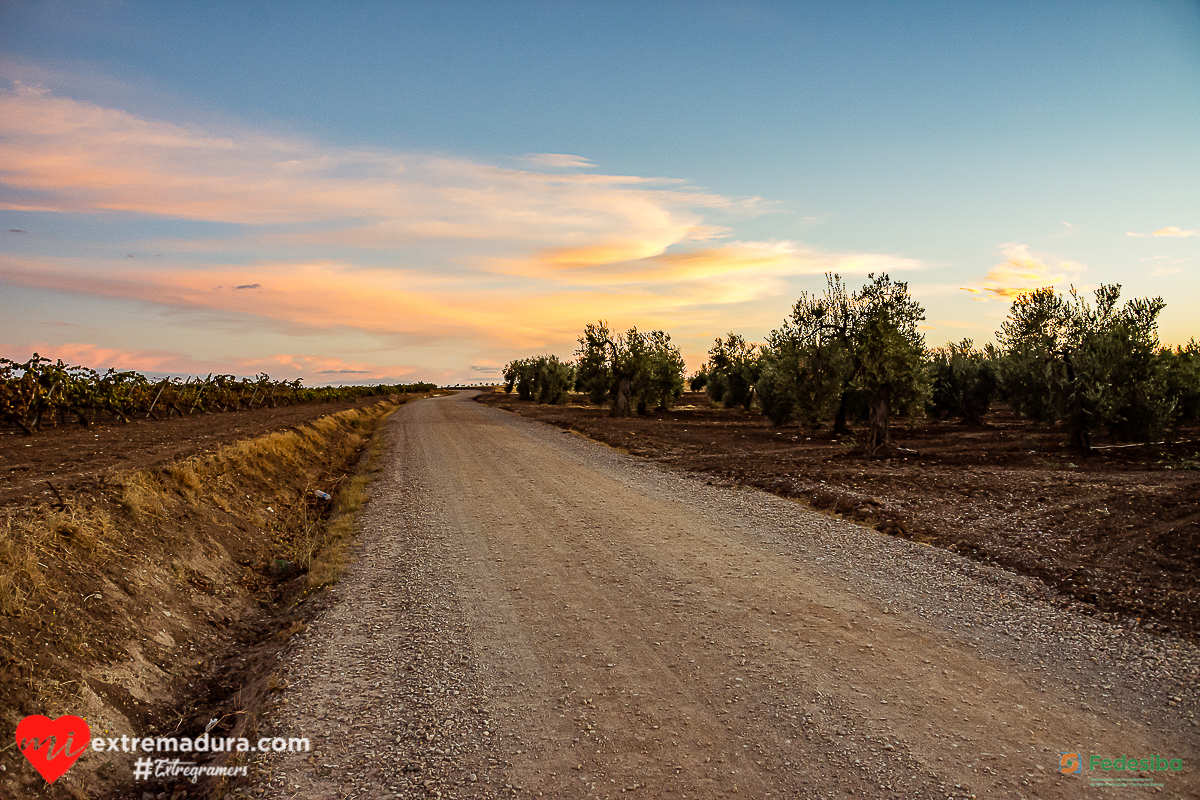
pixel 41 393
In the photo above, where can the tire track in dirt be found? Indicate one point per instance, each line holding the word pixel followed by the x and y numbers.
pixel 633 630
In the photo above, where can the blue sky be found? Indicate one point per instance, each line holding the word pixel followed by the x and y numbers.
pixel 376 191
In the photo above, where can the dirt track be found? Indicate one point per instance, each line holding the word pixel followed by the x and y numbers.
pixel 535 614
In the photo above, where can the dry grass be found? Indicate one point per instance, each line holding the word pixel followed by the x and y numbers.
pixel 31 539
pixel 141 495
pixel 21 573
pixel 342 526
pixel 273 465
pixel 186 480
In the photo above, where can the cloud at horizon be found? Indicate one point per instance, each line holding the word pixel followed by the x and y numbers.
pixel 1171 230
pixel 400 246
pixel 1021 273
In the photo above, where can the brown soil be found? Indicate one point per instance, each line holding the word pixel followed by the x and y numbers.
pixel 68 455
pixel 1117 529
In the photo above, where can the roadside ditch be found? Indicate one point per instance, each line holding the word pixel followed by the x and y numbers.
pixel 155 602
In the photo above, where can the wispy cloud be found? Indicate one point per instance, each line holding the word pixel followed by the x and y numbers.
pixel 64 155
pixel 1022 272
pixel 1172 230
pixel 626 263
pixel 395 246
pixel 558 160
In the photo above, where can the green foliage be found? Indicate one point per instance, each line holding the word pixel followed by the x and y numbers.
pixel 1030 338
pixel 33 392
pixel 543 378
pixel 733 370
pixel 658 370
pixel 523 374
pixel 554 380
pixel 633 368
pixel 799 381
pixel 1182 367
pixel 841 354
pixel 889 354
pixel 593 370
pixel 808 362
pixel 1093 367
pixel 964 381
pixel 840 344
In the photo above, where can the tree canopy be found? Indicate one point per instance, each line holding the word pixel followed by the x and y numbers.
pixel 841 344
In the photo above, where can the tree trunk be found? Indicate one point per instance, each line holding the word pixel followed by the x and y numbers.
pixel 839 422
pixel 620 406
pixel 880 412
pixel 1078 438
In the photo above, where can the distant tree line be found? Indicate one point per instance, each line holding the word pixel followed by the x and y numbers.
pixel 843 355
pixel 631 370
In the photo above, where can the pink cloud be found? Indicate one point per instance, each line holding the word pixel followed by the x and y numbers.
pixel 314 369
pixel 478 253
pixel 70 156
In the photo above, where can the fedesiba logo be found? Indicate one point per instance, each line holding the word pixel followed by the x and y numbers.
pixel 1070 763
pixel 1121 772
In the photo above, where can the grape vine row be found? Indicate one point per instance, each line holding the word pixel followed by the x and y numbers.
pixel 39 392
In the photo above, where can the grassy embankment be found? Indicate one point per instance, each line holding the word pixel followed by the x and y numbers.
pixel 151 601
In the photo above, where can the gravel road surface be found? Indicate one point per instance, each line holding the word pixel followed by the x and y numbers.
pixel 532 614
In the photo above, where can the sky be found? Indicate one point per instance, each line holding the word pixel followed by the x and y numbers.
pixel 400 191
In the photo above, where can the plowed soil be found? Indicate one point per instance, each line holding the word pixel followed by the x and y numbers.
pixel 1117 530
pixel 68 455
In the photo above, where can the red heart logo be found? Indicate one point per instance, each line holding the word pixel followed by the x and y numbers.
pixel 47 743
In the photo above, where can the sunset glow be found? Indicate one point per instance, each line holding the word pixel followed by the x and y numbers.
pixel 404 223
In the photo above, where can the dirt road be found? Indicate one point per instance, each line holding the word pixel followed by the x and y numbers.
pixel 533 614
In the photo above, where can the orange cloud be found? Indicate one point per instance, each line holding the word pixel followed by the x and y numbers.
pixel 1175 230
pixel 337 295
pixel 1020 274
pixel 1172 230
pixel 634 262
pixel 319 294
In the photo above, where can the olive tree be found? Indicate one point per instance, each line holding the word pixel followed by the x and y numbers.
pixel 733 366
pixel 542 377
pixel 633 368
pixel 964 380
pixel 840 345
pixel 521 373
pixel 1091 366
pixel 658 381
pixel 1182 367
